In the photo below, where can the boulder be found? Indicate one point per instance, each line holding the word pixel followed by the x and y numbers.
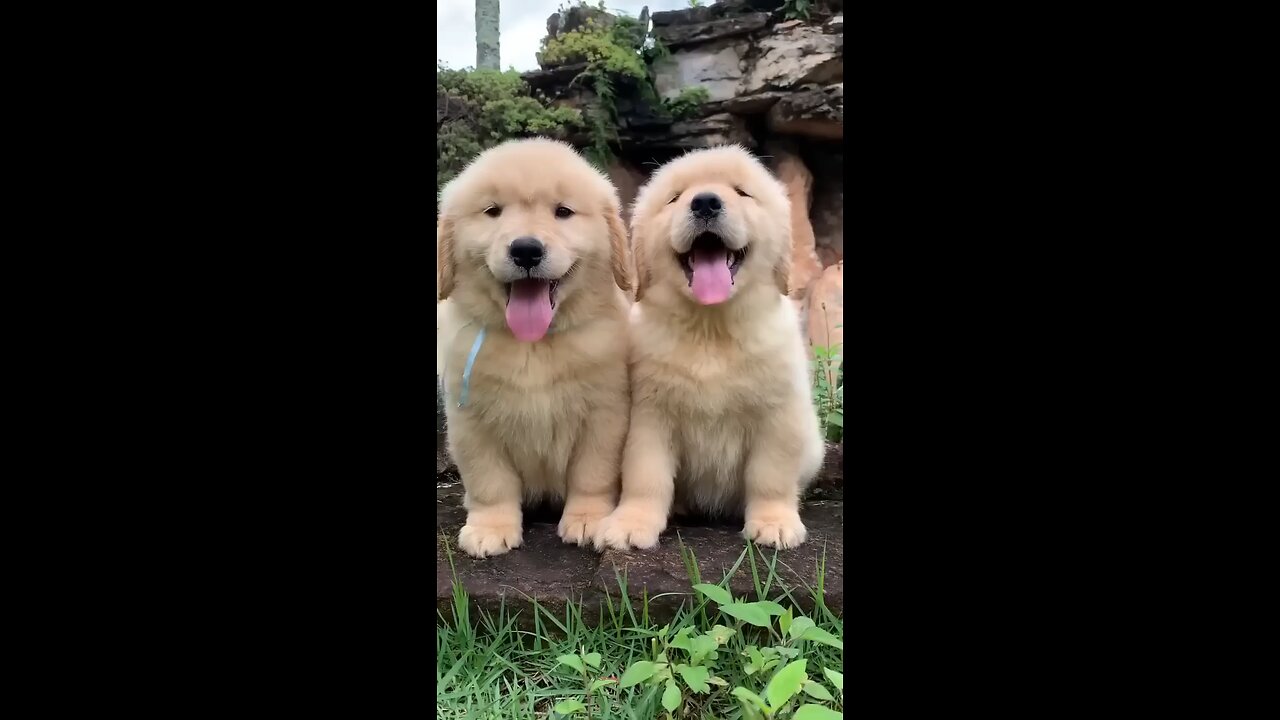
pixel 677 35
pixel 717 67
pixel 816 112
pixel 826 313
pixel 805 266
pixel 795 54
pixel 710 131
pixel 827 211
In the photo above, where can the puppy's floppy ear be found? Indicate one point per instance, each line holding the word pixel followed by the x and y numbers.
pixel 782 268
pixel 637 257
pixel 618 249
pixel 444 258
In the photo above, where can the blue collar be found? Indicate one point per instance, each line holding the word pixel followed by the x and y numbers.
pixel 471 361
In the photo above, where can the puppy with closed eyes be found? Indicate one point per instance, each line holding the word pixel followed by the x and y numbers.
pixel 722 416
pixel 531 274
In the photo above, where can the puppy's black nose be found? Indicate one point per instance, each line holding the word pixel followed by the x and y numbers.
pixel 706 205
pixel 526 252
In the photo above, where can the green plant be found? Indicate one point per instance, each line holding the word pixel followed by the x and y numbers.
pixel 688 664
pixel 797 9
pixel 687 102
pixel 828 390
pixel 493 106
pixel 612 52
pixel 695 3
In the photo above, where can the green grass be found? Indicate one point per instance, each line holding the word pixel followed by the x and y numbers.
pixel 488 667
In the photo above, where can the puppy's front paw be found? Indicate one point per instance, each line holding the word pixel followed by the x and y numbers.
pixel 489 538
pixel 780 528
pixel 579 528
pixel 631 527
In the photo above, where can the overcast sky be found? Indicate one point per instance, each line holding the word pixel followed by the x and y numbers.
pixel 523 25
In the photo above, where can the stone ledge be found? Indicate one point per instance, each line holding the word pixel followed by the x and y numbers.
pixel 678 35
pixel 555 573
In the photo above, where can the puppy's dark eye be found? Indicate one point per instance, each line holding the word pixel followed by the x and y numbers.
pixel 563 212
pixel 741 192
pixel 677 197
pixel 493 211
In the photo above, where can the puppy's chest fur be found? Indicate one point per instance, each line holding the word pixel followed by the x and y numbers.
pixel 714 393
pixel 532 400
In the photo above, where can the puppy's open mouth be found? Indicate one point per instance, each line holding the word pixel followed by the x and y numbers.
pixel 533 286
pixel 531 303
pixel 710 268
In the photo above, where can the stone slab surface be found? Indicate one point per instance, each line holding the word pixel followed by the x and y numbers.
pixel 554 573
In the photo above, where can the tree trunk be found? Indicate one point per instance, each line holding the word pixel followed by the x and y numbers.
pixel 488 56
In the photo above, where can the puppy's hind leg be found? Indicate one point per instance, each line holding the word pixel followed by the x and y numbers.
pixel 593 474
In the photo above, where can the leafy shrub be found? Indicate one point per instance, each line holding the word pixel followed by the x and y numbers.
pixel 797 9
pixel 686 667
pixel 687 102
pixel 500 107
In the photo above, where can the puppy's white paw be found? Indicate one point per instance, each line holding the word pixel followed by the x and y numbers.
pixel 579 528
pixel 782 529
pixel 627 528
pixel 490 538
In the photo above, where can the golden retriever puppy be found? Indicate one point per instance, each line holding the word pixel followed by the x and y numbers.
pixel 531 269
pixel 722 417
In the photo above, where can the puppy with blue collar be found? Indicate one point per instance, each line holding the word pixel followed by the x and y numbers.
pixel 531 284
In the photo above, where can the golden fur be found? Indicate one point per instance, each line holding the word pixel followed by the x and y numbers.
pixel 543 419
pixel 722 418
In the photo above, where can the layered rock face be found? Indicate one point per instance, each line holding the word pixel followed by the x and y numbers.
pixel 774 85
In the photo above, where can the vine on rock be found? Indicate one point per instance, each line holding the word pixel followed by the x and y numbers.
pixel 613 52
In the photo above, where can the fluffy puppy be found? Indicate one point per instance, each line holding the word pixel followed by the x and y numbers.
pixel 722 418
pixel 531 250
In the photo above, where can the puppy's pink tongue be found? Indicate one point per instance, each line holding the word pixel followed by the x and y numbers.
pixel 529 309
pixel 711 279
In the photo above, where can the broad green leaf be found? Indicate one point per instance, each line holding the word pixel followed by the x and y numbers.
pixel 569 707
pixel 819 635
pixel 749 697
pixel 748 613
pixel 836 678
pixel 720 633
pixel 703 645
pixel 601 683
pixel 835 418
pixel 671 696
pixel 681 640
pixel 813 689
pixel 718 681
pixel 638 672
pixel 816 712
pixel 784 622
pixel 715 592
pixel 789 652
pixel 799 626
pixel 771 608
pixel 786 683
pixel 592 659
pixel 695 678
pixel 572 661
